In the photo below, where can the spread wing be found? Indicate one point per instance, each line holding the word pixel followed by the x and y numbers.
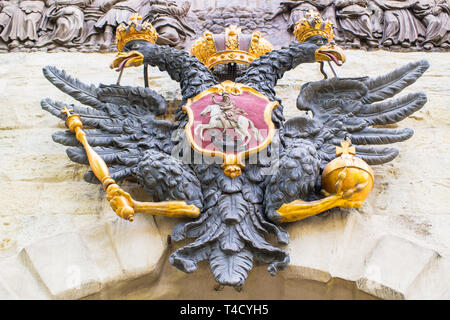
pixel 354 108
pixel 120 123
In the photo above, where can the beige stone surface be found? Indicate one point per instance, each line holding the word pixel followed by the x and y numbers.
pixel 64 265
pixel 6 293
pixel 396 246
pixel 102 252
pixel 138 245
pixel 433 282
pixel 312 246
pixel 392 266
pixel 22 280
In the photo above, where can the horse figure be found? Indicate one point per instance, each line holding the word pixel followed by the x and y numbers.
pixel 241 126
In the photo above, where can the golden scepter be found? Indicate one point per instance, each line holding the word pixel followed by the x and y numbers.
pixel 122 202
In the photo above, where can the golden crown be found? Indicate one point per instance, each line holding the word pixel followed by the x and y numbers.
pixel 313 25
pixel 232 46
pixel 135 31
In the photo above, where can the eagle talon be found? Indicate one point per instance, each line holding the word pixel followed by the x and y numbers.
pixel 121 202
pixel 357 189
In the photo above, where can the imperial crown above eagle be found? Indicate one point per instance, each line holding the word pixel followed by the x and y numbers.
pixel 232 46
pixel 230 160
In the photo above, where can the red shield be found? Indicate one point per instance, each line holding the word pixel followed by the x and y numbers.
pixel 230 121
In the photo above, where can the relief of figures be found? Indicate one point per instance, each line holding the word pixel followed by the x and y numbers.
pixel 297 10
pixel 115 13
pixel 376 19
pixel 11 21
pixel 435 16
pixel 62 22
pixel 33 11
pixel 89 25
pixel 392 24
pixel 401 27
pixel 355 22
pixel 90 36
pixel 168 18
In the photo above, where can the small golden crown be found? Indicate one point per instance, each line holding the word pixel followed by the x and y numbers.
pixel 232 46
pixel 313 25
pixel 135 31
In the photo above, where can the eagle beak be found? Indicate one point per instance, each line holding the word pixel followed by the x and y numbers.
pixel 330 52
pixel 127 59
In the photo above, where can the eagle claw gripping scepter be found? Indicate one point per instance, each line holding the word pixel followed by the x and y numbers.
pixel 120 201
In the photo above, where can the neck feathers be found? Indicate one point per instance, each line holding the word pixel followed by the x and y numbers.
pixel 264 73
pixel 193 76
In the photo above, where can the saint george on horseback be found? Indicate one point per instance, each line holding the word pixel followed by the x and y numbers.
pixel 229 110
pixel 225 115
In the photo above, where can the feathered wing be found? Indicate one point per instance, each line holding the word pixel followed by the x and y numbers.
pixel 353 108
pixel 342 108
pixel 120 125
pixel 148 100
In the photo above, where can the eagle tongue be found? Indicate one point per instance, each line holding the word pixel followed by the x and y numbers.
pixel 122 64
pixel 333 58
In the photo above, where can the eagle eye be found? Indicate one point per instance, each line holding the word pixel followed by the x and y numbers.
pixel 320 42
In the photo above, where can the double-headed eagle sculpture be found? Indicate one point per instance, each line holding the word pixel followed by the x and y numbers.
pixel 237 188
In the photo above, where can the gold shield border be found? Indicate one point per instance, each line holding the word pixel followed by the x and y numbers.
pixel 232 163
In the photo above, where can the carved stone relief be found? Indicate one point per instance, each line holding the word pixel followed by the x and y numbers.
pixel 89 25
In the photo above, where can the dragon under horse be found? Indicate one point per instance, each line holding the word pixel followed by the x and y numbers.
pixel 236 203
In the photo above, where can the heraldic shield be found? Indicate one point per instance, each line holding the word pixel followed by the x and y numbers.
pixel 230 121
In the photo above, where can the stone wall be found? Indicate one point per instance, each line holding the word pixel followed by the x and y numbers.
pixel 59 239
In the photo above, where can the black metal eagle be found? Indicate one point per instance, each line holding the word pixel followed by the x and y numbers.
pixel 237 214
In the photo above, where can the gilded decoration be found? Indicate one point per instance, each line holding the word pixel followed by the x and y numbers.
pixel 313 25
pixel 233 161
pixel 206 51
pixel 135 31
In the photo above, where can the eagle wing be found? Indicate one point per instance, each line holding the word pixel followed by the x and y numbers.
pixel 356 108
pixel 121 127
pixel 342 108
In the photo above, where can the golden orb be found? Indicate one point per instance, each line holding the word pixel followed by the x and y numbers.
pixel 348 175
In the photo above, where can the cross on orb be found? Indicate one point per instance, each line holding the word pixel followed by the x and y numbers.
pixel 345 148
